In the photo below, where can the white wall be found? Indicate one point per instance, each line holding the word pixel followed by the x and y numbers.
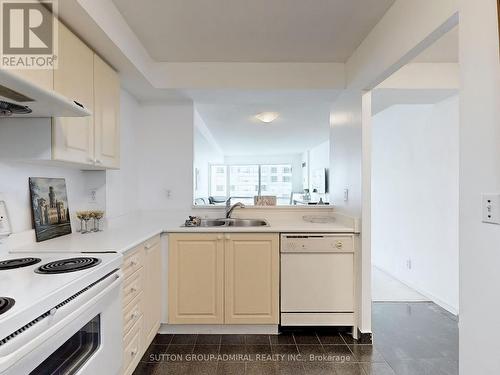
pixel 165 160
pixel 206 152
pixel 14 190
pixel 294 159
pixel 479 173
pixel 347 154
pixel 415 197
pixel 319 158
pixel 122 185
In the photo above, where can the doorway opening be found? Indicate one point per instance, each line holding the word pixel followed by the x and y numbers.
pixel 414 213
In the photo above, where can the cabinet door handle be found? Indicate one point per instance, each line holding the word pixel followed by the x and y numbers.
pixel 98 161
pixel 147 246
pixel 135 315
pixel 133 352
pixel 219 237
pixel 339 244
pixel 228 236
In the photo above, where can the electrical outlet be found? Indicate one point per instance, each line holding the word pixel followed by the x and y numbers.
pixel 5 229
pixel 168 193
pixel 408 263
pixel 92 194
pixel 491 208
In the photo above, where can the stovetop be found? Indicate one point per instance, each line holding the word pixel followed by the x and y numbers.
pixel 36 293
pixel 18 263
pixel 68 265
pixel 6 304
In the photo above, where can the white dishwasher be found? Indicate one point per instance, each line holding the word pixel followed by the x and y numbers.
pixel 317 280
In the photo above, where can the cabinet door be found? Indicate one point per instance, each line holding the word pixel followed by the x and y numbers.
pixel 43 78
pixel 152 289
pixel 106 114
pixel 73 137
pixel 252 278
pixel 195 279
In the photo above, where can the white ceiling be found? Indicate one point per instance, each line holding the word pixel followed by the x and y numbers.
pixel 229 115
pixel 444 50
pixel 252 30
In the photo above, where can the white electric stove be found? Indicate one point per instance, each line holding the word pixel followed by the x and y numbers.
pixel 60 313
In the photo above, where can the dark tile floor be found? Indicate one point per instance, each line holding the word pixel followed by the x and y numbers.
pixel 409 338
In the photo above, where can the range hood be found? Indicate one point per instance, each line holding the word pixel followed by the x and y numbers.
pixel 21 98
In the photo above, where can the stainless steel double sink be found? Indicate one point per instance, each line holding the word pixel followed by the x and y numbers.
pixel 233 223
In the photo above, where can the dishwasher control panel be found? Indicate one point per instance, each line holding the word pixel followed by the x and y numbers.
pixel 316 243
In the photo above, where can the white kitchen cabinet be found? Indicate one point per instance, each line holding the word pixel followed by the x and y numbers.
pixel 196 279
pixel 73 137
pixel 141 301
pixel 91 142
pixel 152 288
pixel 251 278
pixel 223 278
pixel 106 115
pixel 43 78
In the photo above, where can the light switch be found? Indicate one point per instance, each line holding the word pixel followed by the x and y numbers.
pixel 491 207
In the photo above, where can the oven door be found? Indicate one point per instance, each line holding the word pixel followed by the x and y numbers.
pixel 85 340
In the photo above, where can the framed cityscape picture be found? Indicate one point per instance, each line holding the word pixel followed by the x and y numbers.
pixel 49 203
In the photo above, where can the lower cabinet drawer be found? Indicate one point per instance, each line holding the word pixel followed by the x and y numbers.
pixel 133 261
pixel 132 348
pixel 132 313
pixel 132 286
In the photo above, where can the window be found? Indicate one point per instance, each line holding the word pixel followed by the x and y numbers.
pixel 244 182
pixel 218 180
pixel 245 179
pixel 278 180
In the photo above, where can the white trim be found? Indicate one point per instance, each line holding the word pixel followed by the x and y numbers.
pixel 423 292
pixel 365 266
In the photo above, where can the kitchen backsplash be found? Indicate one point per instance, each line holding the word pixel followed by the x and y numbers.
pixel 14 190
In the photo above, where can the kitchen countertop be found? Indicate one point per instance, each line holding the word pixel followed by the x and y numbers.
pixel 125 233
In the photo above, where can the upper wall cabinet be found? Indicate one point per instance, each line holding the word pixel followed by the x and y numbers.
pixel 40 77
pixel 73 137
pixel 91 142
pixel 106 115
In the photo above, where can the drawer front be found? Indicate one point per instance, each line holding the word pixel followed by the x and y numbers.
pixel 132 287
pixel 132 348
pixel 133 261
pixel 153 241
pixel 132 313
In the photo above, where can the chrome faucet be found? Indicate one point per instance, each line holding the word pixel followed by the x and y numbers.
pixel 230 209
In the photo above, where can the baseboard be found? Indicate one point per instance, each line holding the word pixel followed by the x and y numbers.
pixel 425 293
pixel 228 329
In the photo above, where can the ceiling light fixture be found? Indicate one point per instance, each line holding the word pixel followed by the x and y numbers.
pixel 267 117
